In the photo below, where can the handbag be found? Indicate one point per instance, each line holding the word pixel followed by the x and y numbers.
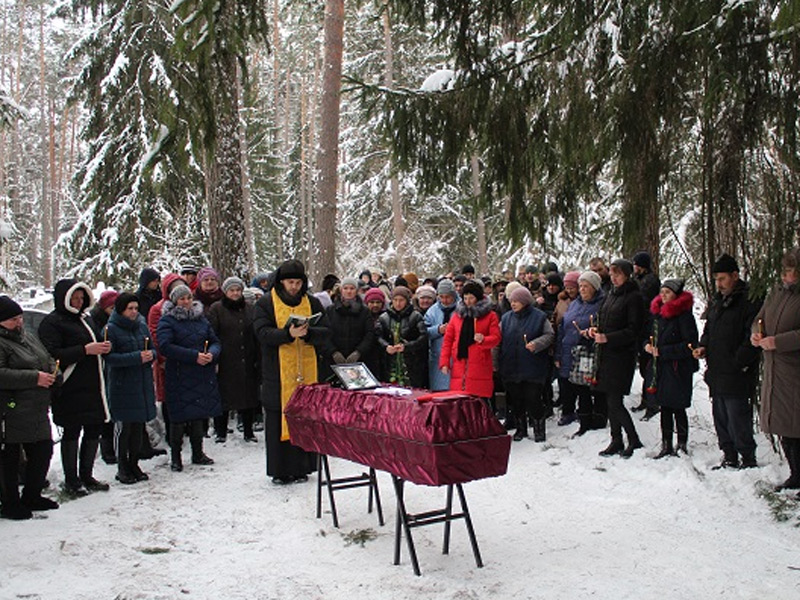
pixel 584 358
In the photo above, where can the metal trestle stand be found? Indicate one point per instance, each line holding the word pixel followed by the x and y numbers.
pixel 343 483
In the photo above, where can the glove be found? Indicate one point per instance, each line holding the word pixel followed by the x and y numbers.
pixel 354 356
pixel 338 357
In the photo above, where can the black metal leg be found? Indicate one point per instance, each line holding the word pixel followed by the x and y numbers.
pixel 448 513
pixel 470 529
pixel 319 486
pixel 328 482
pixel 373 488
pixel 404 518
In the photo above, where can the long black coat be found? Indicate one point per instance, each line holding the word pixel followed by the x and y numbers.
pixel 238 364
pixel 351 330
pixel 674 328
pixel 620 318
pixel 24 406
pixel 414 336
pixel 731 360
pixel 81 400
pixel 192 390
pixel 271 338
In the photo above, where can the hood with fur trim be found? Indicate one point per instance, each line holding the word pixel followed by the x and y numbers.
pixel 62 295
pixel 167 281
pixel 674 308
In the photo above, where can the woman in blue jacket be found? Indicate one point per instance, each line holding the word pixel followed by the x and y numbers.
pixel 192 349
pixel 527 333
pixel 131 395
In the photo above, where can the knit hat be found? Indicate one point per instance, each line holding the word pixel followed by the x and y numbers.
pixel 474 288
pixel 401 290
pixel 426 291
pixel 521 295
pixel 251 294
pixel 179 292
pixel 188 269
pixel 374 294
pixel 147 275
pixel 329 282
pixel 108 298
pixel 122 301
pixel 531 269
pixel 231 282
pixel 512 285
pixel 446 288
pixel 555 279
pixel 412 280
pixel 623 265
pixel 8 308
pixel 571 279
pixel 642 259
pixel 206 273
pixel 592 278
pixel 725 264
pixel 467 269
pixel 550 267
pixel 676 285
pixel 350 281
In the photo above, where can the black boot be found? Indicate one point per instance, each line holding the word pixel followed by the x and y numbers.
pixel 87 456
pixel 73 486
pixel 107 445
pixel 666 449
pixel 522 428
pixel 585 421
pixel 539 430
pixel 615 447
pixel 196 434
pixel 790 449
pixel 175 444
pixel 634 443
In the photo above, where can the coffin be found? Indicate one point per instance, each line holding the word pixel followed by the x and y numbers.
pixel 423 438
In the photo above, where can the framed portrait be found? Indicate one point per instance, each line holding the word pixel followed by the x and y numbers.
pixel 355 376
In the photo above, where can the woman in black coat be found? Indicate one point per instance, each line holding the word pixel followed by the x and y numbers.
pixel 188 342
pixel 26 375
pixel 672 339
pixel 352 335
pixel 617 335
pixel 232 320
pixel 403 340
pixel 289 356
pixel 80 404
pixel 131 394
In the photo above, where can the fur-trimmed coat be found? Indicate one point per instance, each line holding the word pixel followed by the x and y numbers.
pixel 475 374
pixel 674 329
pixel 192 390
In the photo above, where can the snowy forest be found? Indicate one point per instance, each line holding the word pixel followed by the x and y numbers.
pixel 402 134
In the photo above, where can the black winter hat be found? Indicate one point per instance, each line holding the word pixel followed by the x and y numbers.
pixel 147 275
pixel 291 269
pixel 8 308
pixel 725 264
pixel 467 269
pixel 329 282
pixel 624 265
pixel 122 301
pixel 550 267
pixel 474 288
pixel 531 269
pixel 555 279
pixel 642 259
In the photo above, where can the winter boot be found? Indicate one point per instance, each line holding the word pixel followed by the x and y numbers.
pixel 749 460
pixel 196 438
pixel 585 422
pixel 539 430
pixel 124 474
pixel 615 447
pixel 107 445
pixel 15 512
pixel 73 487
pixel 633 444
pixel 790 449
pixel 175 445
pixel 666 449
pixel 522 428
pixel 87 456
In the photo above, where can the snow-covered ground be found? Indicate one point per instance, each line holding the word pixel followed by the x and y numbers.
pixel 563 523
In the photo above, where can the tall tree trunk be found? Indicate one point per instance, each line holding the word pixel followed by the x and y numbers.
pixel 223 172
pixel 483 259
pixel 324 260
pixel 398 223
pixel 247 212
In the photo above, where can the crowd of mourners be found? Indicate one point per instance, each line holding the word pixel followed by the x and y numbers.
pixel 204 348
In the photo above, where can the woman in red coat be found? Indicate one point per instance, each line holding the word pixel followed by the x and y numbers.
pixel 468 341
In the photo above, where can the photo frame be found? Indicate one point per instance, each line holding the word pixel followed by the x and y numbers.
pixel 355 376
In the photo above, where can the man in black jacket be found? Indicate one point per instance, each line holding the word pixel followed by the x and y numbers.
pixel 732 363
pixel 649 285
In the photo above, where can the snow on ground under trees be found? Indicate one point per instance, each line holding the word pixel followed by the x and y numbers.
pixel 563 523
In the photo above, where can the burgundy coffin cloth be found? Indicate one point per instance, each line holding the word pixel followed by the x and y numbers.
pixel 445 440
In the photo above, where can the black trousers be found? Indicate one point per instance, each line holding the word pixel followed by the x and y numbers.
pixel 733 421
pixel 248 417
pixel 38 455
pixel 128 444
pixel 681 421
pixel 527 400
pixel 619 418
pixel 592 407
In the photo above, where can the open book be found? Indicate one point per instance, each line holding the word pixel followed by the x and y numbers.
pixel 300 320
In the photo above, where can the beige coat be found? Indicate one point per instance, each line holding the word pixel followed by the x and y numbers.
pixel 780 387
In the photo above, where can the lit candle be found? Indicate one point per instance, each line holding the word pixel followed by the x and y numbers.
pixel 58 364
pixel 205 347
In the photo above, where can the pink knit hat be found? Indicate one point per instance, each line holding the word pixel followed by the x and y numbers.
pixel 571 279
